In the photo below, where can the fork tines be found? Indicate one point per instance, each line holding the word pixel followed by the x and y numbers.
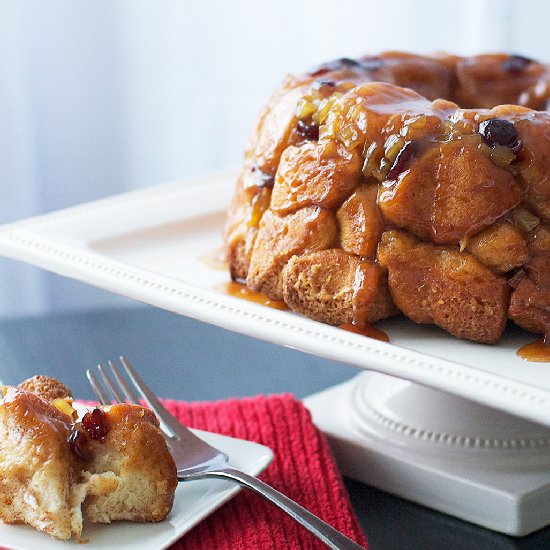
pixel 120 391
pixel 110 386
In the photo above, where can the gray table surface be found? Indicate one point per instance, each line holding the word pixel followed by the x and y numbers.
pixel 185 359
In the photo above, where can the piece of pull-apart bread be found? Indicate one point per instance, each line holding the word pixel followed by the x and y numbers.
pixel 37 469
pixel 131 462
pixel 112 465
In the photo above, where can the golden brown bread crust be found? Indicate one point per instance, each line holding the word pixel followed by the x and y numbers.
pixel 534 164
pixel 279 238
pixel 530 302
pixel 501 246
pixel 324 285
pixel 361 223
pixel 36 467
pixel 369 145
pixel 321 174
pixel 529 307
pixel 135 451
pixel 46 387
pixel 433 199
pixel 440 285
pixel 46 478
pixel 249 203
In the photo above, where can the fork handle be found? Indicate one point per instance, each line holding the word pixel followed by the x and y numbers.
pixel 322 530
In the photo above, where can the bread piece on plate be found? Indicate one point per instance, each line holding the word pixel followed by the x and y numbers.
pixel 37 469
pixel 46 387
pixel 360 222
pixel 245 212
pixel 319 174
pixel 135 459
pixel 112 465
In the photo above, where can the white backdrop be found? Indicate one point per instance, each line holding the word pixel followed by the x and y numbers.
pixel 98 97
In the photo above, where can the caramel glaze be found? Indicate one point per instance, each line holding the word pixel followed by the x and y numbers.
pixel 366 330
pixel 334 102
pixel 38 419
pixel 365 286
pixel 240 290
pixel 536 352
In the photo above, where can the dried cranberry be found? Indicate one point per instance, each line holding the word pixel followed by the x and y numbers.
pixel 79 443
pixel 308 131
pixel 95 424
pixel 516 64
pixel 498 131
pixel 401 160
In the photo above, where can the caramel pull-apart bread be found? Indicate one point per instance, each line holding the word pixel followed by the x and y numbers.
pixel 399 182
pixel 37 469
pixel 114 464
pixel 127 449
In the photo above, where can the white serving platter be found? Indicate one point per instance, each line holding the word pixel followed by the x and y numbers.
pixel 193 502
pixel 147 245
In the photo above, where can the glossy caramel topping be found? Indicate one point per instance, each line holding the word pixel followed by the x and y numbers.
pixel 39 420
pixel 536 352
pixel 366 330
pixel 239 290
pixel 258 205
pixel 40 409
pixel 365 289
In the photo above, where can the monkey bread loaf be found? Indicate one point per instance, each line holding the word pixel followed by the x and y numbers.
pixel 400 182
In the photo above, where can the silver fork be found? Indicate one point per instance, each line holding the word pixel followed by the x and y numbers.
pixel 195 459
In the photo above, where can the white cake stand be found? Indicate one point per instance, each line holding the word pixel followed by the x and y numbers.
pixel 456 456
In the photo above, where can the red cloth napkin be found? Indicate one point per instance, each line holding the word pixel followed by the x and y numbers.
pixel 303 469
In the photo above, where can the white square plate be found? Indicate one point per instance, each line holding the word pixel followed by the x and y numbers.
pixel 194 501
pixel 146 245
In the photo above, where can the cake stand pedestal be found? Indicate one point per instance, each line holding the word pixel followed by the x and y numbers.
pixel 456 456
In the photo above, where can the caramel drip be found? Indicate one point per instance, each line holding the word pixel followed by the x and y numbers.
pixel 536 352
pixel 365 288
pixel 366 330
pixel 239 290
pixel 215 259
